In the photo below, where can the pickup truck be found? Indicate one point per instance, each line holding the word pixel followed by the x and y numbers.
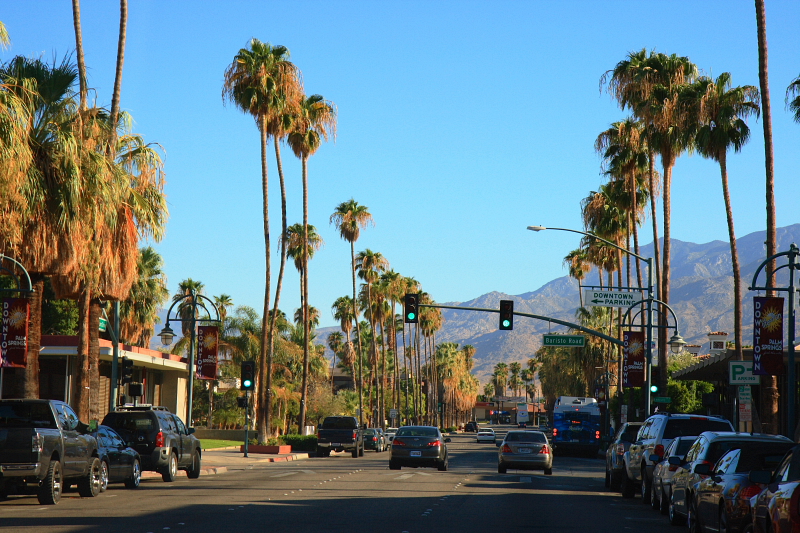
pixel 340 433
pixel 44 445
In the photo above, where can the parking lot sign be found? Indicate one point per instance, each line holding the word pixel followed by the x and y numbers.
pixel 741 373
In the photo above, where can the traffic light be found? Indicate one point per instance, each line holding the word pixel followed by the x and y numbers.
pixel 127 370
pixel 411 309
pixel 507 314
pixel 654 388
pixel 248 375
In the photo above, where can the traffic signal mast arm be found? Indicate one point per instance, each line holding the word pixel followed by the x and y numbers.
pixel 531 315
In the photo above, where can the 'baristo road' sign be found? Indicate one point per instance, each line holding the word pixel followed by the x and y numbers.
pixel 564 340
pixel 596 298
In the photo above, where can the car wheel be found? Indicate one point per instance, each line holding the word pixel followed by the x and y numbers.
pixel 323 452
pixel 171 471
pixel 548 471
pixel 136 476
pixel 194 468
pixel 664 503
pixel 355 453
pixel 502 469
pixel 645 488
pixel 608 479
pixel 654 503
pixel 89 485
pixel 394 465
pixel 723 518
pixel 103 476
pixel 361 450
pixel 50 489
pixel 627 486
pixel 692 520
pixel 674 518
pixel 442 466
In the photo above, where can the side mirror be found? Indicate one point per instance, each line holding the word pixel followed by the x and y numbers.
pixel 655 458
pixel 763 477
pixel 703 469
pixel 675 460
pixel 364 426
pixel 190 430
pixel 447 439
pixel 497 443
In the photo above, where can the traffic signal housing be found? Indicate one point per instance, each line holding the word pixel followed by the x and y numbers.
pixel 411 309
pixel 242 402
pixel 127 370
pixel 248 375
pixel 506 314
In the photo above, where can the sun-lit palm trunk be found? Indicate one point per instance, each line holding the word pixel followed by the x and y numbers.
pixel 264 396
pixel 737 274
pixel 304 274
pixel 358 336
pixel 34 338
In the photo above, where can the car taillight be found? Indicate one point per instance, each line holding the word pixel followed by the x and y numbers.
pixel 555 432
pixel 398 442
pixel 374 438
pixel 749 492
pixel 160 440
pixel 659 450
pixel 355 435
pixel 545 450
pixel 437 442
pixel 597 434
pixel 507 449
pixel 36 442
pixel 620 449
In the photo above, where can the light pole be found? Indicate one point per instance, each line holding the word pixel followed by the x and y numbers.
pixel 167 335
pixel 648 311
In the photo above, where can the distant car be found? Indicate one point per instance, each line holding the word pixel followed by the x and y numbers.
pixel 615 460
pixel 471 427
pixel 120 462
pixel 419 446
pixel 374 440
pixel 525 450
pixel 389 434
pixel 775 508
pixel 661 493
pixel 486 435
pixel 723 498
pixel 707 450
pixel 522 425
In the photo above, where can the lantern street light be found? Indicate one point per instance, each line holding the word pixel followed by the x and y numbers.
pixel 167 335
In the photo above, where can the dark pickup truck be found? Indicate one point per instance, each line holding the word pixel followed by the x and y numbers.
pixel 340 433
pixel 44 445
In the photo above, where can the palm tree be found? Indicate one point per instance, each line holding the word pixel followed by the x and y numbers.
pixel 794 103
pixel 336 344
pixel 343 312
pixel 723 111
pixel 369 266
pixel 293 239
pixel 139 311
pixel 314 121
pixel 350 218
pixel 261 81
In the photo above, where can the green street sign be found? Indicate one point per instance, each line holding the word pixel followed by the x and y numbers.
pixel 662 399
pixel 577 341
pixel 103 324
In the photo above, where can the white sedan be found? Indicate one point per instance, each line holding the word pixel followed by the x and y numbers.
pixel 486 435
pixel 389 434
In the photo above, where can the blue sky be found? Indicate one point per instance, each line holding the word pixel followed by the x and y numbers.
pixel 460 123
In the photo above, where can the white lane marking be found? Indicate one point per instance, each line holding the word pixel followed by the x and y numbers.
pixel 405 476
pixel 284 474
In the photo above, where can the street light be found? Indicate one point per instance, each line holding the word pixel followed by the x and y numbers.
pixel 649 308
pixel 167 335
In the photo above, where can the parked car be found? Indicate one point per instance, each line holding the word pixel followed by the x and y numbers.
pixel 775 509
pixel 389 434
pixel 45 446
pixel 120 462
pixel 525 450
pixel 340 434
pixel 486 435
pixel 374 440
pixel 165 445
pixel 654 436
pixel 615 453
pixel 662 473
pixel 704 453
pixel 723 498
pixel 419 446
pixel 471 427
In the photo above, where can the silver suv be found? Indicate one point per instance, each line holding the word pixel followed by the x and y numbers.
pixel 654 436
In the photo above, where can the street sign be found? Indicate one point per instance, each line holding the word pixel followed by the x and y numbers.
pixel 597 298
pixel 103 324
pixel 578 341
pixel 662 399
pixel 392 413
pixel 745 394
pixel 745 412
pixel 741 373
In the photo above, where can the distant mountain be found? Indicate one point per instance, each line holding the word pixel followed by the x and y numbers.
pixel 701 294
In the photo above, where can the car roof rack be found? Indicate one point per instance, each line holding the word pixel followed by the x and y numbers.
pixel 141 407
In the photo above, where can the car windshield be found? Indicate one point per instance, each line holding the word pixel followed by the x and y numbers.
pixel 417 432
pixel 526 436
pixel 26 415
pixel 682 447
pixel 129 421
pixel 765 457
pixel 369 432
pixel 680 427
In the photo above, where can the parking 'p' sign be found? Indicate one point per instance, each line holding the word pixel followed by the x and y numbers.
pixel 741 373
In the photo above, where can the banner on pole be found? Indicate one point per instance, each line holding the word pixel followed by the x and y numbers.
pixel 14 336
pixel 633 359
pixel 768 336
pixel 207 351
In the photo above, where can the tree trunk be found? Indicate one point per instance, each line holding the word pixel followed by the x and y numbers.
pixel 76 20
pixel 737 274
pixel 358 336
pixel 95 401
pixel 304 275
pixel 31 386
pixel 264 366
pixel 81 384
pixel 123 29
pixel 668 161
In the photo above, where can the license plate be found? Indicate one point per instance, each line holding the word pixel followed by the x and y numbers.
pixel 416 454
pixel 336 443
pixel 523 450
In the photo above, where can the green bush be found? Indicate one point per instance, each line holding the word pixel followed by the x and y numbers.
pixel 451 429
pixel 301 443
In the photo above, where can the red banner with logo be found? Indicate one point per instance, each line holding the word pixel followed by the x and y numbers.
pixel 768 336
pixel 633 359
pixel 207 351
pixel 14 334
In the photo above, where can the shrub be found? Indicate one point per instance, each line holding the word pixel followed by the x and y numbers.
pixel 301 443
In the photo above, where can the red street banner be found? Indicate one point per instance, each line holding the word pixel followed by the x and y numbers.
pixel 207 349
pixel 768 336
pixel 633 359
pixel 14 336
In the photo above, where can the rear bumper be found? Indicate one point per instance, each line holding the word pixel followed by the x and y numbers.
pixel 532 462
pixel 20 470
pixel 157 460
pixel 339 445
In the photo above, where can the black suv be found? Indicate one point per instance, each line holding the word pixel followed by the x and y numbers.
pixel 164 443
pixel 472 427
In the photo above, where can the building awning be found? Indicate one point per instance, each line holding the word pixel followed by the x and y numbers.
pixel 715 368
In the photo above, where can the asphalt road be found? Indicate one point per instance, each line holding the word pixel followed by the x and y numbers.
pixel 342 494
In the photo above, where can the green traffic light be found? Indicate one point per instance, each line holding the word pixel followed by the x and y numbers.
pixel 653 388
pixel 247 383
pixel 411 316
pixel 506 323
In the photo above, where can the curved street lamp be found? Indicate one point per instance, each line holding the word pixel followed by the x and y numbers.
pixel 167 336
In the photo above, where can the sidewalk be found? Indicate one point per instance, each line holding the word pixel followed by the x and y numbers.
pixel 220 460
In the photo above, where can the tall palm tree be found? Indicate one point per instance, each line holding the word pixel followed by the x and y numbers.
pixel 350 218
pixel 261 81
pixel 342 310
pixel 369 266
pixel 315 121
pixel 336 344
pixel 139 311
pixel 723 111
pixel 294 239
